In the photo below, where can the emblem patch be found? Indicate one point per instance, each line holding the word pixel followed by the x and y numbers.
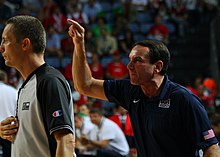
pixel 57 113
pixel 26 106
pixel 164 103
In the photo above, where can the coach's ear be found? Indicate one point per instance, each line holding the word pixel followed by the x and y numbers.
pixel 158 66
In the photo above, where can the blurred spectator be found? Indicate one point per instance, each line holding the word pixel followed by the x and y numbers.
pixel 207 100
pixel 154 4
pixel 53 47
pixel 120 24
pixel 158 30
pixel 106 138
pixel 8 98
pixel 211 86
pixel 67 45
pixel 116 69
pixel 122 119
pixel 47 11
pixel 75 12
pixel 189 84
pixel 106 43
pixel 56 19
pixel 99 25
pixel 33 6
pixel 91 9
pixel 83 128
pixel 84 109
pixel 139 5
pixel 179 17
pixel 13 77
pixel 96 67
pixel 5 13
pixel 90 42
pixel 192 12
pixel 163 11
pixel 68 72
pixel 125 42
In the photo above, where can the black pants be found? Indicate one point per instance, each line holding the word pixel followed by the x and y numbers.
pixel 6 147
pixel 108 153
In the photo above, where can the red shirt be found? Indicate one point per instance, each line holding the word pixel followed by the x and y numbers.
pixel 117 70
pixel 128 127
pixel 159 30
pixel 97 70
pixel 68 72
pixel 67 46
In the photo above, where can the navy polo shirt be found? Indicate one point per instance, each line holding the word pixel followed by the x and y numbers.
pixel 173 124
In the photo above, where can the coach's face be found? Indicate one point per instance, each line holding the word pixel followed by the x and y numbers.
pixel 10 48
pixel 140 69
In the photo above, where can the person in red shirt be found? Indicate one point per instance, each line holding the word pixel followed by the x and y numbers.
pixel 122 119
pixel 159 31
pixel 57 19
pixel 96 67
pixel 116 69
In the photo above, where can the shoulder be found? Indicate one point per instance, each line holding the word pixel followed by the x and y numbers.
pixel 121 83
pixel 49 74
pixel 110 124
pixel 5 87
pixel 183 95
pixel 179 90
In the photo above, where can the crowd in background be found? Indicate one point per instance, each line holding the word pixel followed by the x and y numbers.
pixel 112 26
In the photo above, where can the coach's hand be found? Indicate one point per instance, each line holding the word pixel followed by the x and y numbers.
pixel 8 128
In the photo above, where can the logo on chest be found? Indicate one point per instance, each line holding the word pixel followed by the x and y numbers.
pixel 164 103
pixel 26 106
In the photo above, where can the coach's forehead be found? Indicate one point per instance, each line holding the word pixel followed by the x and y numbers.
pixel 139 51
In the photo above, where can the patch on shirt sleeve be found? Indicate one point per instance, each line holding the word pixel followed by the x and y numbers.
pixel 208 134
pixel 57 113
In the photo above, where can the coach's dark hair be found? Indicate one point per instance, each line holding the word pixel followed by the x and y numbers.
pixel 25 26
pixel 158 51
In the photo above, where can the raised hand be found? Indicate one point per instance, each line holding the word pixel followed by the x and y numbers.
pixel 76 31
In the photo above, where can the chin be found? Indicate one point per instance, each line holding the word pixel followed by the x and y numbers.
pixel 8 64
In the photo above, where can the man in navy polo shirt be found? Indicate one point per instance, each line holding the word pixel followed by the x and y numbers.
pixel 168 120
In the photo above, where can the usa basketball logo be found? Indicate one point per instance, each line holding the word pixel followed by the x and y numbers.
pixel 57 113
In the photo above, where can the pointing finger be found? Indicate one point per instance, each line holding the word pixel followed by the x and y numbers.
pixel 76 26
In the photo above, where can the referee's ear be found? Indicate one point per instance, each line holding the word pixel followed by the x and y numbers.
pixel 26 44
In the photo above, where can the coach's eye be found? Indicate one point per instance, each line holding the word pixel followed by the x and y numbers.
pixel 138 59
